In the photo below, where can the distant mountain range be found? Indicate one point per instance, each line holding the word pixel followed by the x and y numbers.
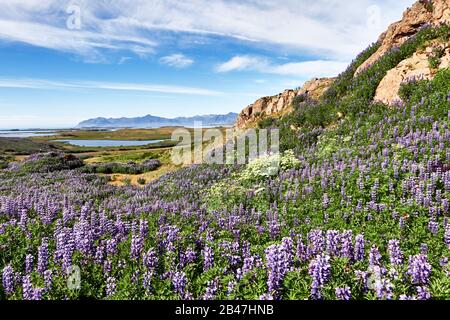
pixel 150 121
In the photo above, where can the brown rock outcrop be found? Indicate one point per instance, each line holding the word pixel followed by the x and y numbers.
pixel 281 103
pixel 415 67
pixel 420 14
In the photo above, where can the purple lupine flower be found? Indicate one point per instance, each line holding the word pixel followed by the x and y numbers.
pixel 423 293
pixel 301 250
pixel 384 289
pixel 43 256
pixel 27 291
pixel 445 205
pixel 447 235
pixel 274 266
pixel 190 255
pixel 320 272
pixel 179 281
pixel 249 264
pixel 316 242
pixel 266 297
pixel 280 260
pixel 29 259
pixel 150 259
pixel 325 201
pixel 107 266
pixel 231 286
pixel 332 242
pixel 111 247
pixel 99 255
pixel 147 281
pixel 374 256
pixel 419 269
pixel 433 226
pixel 137 244
pixel 23 222
pixel 363 276
pixel 8 279
pixel 347 245
pixel 208 258
pixel 211 289
pixel 111 286
pixel 287 249
pixel 171 235
pixel 48 279
pixel 395 253
pixel 424 249
pixel 359 247
pixel 274 229
pixel 343 293
pixel 37 294
pixel 143 228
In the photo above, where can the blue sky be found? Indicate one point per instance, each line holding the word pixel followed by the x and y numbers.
pixel 65 61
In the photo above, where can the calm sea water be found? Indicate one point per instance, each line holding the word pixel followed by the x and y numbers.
pixel 109 143
pixel 25 134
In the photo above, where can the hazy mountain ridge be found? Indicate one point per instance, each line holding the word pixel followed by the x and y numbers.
pixel 150 121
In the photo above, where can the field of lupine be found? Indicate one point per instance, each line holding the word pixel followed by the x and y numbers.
pixel 359 210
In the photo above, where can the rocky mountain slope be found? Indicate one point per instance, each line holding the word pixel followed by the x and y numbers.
pixel 423 64
pixel 280 104
pixel 416 67
pixel 422 13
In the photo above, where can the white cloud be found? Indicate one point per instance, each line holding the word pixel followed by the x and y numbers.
pixel 239 63
pixel 177 61
pixel 123 60
pixel 260 81
pixel 56 85
pixel 85 43
pixel 332 28
pixel 316 68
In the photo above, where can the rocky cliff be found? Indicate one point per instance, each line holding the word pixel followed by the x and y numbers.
pixel 280 104
pixel 417 67
pixel 421 14
pixel 424 63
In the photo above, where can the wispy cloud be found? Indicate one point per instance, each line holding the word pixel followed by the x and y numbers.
pixel 177 61
pixel 123 60
pixel 316 68
pixel 332 28
pixel 85 43
pixel 239 63
pixel 150 88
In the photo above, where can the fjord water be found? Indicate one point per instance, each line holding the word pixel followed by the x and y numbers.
pixel 109 143
pixel 25 134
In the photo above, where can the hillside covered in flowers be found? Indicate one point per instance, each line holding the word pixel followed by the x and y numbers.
pixel 358 210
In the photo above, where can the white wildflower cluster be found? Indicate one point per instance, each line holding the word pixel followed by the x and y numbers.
pixel 266 166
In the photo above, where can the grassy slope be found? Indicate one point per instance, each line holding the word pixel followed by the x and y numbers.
pixel 20 146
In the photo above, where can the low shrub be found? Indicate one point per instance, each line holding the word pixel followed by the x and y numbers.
pixel 123 168
pixel 434 60
pixel 49 162
pixel 266 123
